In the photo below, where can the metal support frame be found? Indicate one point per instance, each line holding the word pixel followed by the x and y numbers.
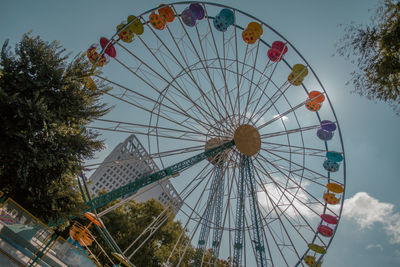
pixel 42 251
pixel 212 211
pixel 132 187
pixel 103 231
pixel 239 221
pixel 257 235
pixel 218 217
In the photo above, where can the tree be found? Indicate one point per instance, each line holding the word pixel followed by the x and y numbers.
pixel 375 49
pixel 43 142
pixel 128 221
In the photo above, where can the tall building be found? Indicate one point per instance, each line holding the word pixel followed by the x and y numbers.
pixel 128 162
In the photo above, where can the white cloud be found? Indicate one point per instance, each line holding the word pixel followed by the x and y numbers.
pixel 292 202
pixel 377 246
pixel 284 118
pixel 367 211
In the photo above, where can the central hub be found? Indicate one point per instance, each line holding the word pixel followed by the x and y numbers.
pixel 247 140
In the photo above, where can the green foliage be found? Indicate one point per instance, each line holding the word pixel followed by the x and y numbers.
pixel 375 49
pixel 42 142
pixel 127 222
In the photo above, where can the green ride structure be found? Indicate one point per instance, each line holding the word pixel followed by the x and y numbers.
pixel 237 120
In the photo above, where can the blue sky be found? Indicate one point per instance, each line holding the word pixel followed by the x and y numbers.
pixel 369 232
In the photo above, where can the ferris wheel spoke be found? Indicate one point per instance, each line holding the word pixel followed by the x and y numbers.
pixel 125 92
pixel 252 243
pixel 269 79
pixel 192 84
pixel 313 180
pixel 271 101
pixel 275 241
pixel 243 95
pixel 239 78
pixel 274 235
pixel 186 68
pixel 252 94
pixel 297 152
pixel 213 87
pixel 316 200
pixel 280 116
pixel 181 111
pixel 285 148
pixel 130 125
pixel 199 218
pixel 318 174
pixel 269 244
pixel 262 96
pixel 210 214
pixel 193 213
pixel 205 171
pixel 165 116
pixel 215 127
pixel 281 188
pixel 195 182
pixel 253 70
pixel 121 130
pixel 233 218
pixel 150 230
pixel 248 226
pixel 237 67
pixel 226 217
pixel 291 131
pixel 205 67
pixel 177 152
pixel 287 172
pixel 276 96
pixel 150 156
pixel 179 89
pixel 257 234
pixel 286 215
pixel 246 65
pixel 222 68
pixel 221 100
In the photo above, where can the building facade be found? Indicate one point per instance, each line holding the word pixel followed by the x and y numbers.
pixel 128 162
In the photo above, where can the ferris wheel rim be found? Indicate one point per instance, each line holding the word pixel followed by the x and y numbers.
pixel 308 65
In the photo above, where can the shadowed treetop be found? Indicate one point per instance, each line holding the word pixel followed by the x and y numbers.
pixel 43 141
pixel 375 49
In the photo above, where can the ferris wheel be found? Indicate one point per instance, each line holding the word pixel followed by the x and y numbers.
pixel 237 120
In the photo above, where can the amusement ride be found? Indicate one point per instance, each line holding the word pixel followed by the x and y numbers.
pixel 237 120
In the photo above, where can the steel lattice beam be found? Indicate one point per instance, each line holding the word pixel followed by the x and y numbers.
pixel 132 187
pixel 218 217
pixel 239 221
pixel 257 235
pixel 208 215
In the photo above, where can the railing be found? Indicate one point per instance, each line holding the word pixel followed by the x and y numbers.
pixel 26 241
